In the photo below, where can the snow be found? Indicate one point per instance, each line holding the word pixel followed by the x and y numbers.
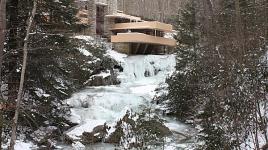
pixel 170 35
pixel 85 52
pixel 84 37
pixel 88 126
pixel 175 126
pixel 20 145
pixel 119 57
pixel 39 92
pixel 102 74
pixel 104 103
pixel 141 90
pixel 141 75
pixel 23 146
pixel 41 133
pixel 251 139
pixel 96 105
pixel 78 146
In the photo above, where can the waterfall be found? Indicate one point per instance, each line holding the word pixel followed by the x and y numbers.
pixel 140 77
pixel 139 68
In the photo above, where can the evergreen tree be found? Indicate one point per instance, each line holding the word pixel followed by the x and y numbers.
pixel 56 67
pixel 182 84
pixel 223 86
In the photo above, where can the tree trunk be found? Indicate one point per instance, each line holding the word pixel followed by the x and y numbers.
pixel 2 41
pixel 2 30
pixel 20 93
pixel 266 21
pixel 239 29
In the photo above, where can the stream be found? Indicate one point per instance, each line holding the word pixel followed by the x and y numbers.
pixel 140 77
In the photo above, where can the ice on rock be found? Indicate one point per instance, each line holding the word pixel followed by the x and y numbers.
pixel 141 75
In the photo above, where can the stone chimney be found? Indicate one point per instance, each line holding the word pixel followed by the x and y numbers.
pixel 92 16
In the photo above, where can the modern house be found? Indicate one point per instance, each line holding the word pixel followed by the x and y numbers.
pixel 129 34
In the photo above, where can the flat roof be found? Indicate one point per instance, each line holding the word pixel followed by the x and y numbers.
pixel 101 3
pixel 142 38
pixel 155 25
pixel 124 16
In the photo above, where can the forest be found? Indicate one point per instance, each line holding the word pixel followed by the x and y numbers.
pixel 221 79
pixel 218 85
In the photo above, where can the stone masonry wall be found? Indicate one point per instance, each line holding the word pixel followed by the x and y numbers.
pixel 110 8
pixel 92 16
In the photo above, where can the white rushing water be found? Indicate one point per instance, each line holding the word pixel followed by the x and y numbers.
pixel 140 77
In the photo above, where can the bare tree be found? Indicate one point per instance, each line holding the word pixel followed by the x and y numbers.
pixel 20 93
pixel 2 41
pixel 238 27
pixel 2 30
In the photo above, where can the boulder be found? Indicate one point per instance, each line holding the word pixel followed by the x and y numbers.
pixel 102 80
pixel 45 136
pixel 97 135
pixel 115 137
pixel 141 129
pixel 147 73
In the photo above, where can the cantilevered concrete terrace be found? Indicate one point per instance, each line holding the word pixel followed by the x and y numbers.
pixel 142 38
pixel 120 15
pixel 154 25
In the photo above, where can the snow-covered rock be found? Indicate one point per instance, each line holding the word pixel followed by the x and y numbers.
pixel 78 146
pixel 102 79
pixel 88 126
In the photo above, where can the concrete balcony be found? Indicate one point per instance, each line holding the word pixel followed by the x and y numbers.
pixel 120 15
pixel 153 25
pixel 142 38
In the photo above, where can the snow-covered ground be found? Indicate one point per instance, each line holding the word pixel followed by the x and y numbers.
pixel 20 145
pixel 106 104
